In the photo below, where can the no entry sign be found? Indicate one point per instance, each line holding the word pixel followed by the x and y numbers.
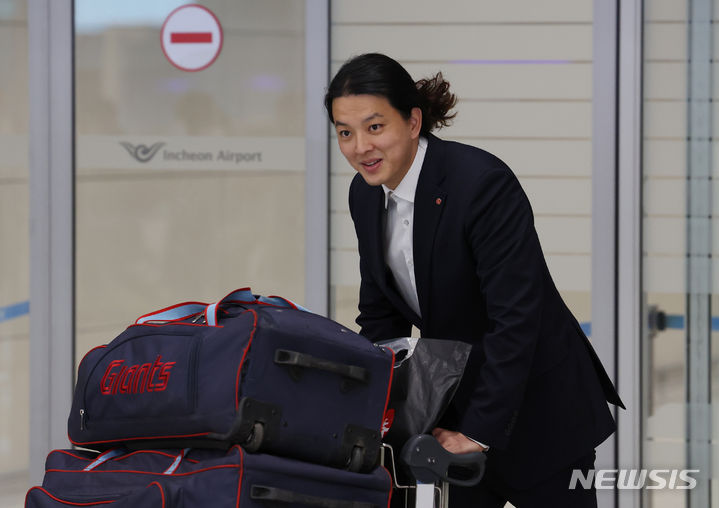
pixel 191 38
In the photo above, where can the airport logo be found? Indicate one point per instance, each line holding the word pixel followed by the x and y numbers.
pixel 634 479
pixel 142 153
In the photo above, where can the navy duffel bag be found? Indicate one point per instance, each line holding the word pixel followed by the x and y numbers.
pixel 153 496
pixel 250 370
pixel 197 478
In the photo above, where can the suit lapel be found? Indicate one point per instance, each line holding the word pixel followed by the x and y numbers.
pixel 376 232
pixel 429 201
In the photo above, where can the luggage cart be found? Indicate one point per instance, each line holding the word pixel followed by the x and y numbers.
pixel 434 469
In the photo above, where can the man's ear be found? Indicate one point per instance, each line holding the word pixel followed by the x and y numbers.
pixel 415 122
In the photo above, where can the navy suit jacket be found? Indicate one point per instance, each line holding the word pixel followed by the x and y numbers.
pixel 534 389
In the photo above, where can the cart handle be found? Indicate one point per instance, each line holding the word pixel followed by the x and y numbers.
pixel 430 462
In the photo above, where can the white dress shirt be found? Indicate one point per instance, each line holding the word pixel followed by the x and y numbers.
pixel 398 233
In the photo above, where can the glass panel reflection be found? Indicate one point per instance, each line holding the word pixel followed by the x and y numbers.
pixel 189 184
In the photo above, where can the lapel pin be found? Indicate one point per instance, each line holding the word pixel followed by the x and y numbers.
pixel 438 201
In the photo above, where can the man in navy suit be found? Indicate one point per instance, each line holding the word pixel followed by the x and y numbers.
pixel 447 243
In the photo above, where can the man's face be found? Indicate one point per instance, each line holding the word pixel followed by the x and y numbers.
pixel 374 137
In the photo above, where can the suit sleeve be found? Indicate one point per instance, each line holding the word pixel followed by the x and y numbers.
pixel 512 274
pixel 378 318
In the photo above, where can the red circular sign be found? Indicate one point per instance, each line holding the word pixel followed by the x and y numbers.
pixel 191 37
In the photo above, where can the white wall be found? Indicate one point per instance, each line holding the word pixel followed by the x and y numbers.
pixel 522 71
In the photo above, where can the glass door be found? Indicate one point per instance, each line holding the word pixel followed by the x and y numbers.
pixel 14 254
pixel 190 148
pixel 680 350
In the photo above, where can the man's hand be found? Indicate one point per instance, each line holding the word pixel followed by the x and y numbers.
pixel 456 442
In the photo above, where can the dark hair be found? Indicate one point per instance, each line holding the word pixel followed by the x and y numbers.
pixel 377 74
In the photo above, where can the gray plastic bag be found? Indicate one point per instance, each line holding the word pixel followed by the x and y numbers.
pixel 426 375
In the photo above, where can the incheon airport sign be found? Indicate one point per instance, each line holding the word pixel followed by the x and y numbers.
pixel 143 153
pixel 190 153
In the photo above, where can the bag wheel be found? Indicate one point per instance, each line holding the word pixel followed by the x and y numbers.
pixel 254 441
pixel 356 458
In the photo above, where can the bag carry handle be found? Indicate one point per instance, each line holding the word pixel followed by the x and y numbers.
pixel 263 493
pixel 245 296
pixel 176 463
pixel 297 359
pixel 175 313
pixel 117 452
pixel 182 311
pixel 104 457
